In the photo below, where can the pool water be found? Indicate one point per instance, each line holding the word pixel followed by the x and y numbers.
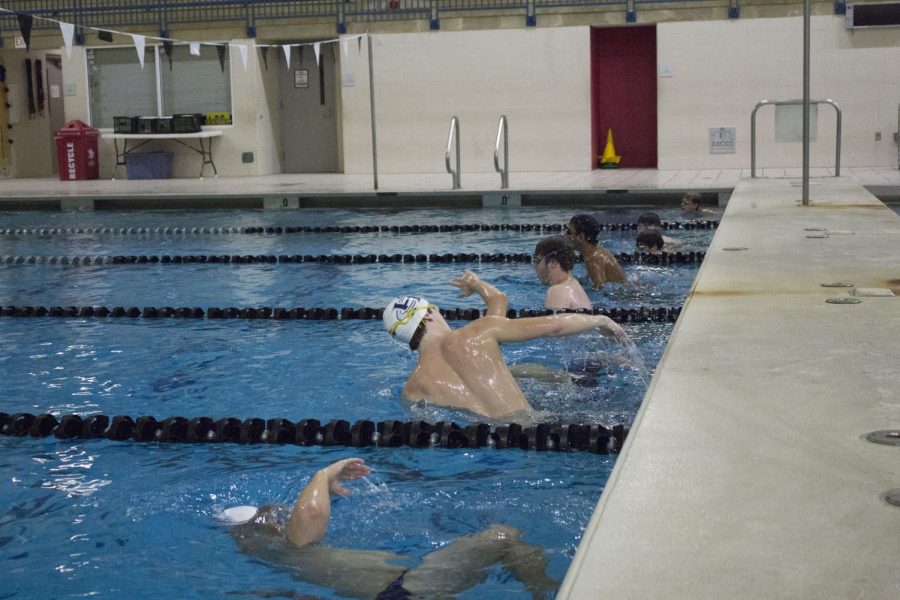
pixel 126 519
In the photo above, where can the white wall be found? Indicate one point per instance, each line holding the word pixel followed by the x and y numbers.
pixel 539 78
pixel 721 69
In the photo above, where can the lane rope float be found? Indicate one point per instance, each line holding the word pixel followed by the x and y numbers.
pixel 644 258
pixel 312 432
pixel 641 314
pixel 291 229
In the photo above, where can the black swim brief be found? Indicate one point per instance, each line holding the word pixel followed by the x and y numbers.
pixel 395 591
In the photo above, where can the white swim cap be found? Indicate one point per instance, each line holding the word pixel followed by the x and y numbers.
pixel 239 514
pixel 403 315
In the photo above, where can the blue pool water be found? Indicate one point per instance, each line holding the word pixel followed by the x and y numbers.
pixel 125 519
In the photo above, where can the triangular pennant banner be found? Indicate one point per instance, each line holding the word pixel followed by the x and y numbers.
pixel 243 50
pixel 316 49
pixel 68 33
pixel 345 42
pixel 25 22
pixel 195 48
pixel 287 55
pixel 264 51
pixel 221 50
pixel 139 46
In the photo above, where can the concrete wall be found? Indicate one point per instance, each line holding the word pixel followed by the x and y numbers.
pixel 721 69
pixel 539 78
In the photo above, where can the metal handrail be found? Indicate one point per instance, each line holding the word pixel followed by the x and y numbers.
pixel 454 129
pixel 504 172
pixel 837 142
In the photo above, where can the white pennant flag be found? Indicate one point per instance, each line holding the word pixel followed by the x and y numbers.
pixel 287 55
pixel 139 45
pixel 243 50
pixel 316 50
pixel 68 33
pixel 345 42
pixel 195 48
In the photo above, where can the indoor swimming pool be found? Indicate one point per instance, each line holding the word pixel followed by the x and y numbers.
pixel 111 519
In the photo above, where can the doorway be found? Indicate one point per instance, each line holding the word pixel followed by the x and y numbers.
pixel 309 109
pixel 56 104
pixel 623 94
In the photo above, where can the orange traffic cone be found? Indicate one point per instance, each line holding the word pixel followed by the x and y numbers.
pixel 609 160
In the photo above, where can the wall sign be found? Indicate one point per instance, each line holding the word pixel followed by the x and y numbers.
pixel 301 78
pixel 722 140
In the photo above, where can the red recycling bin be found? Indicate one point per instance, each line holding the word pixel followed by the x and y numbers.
pixel 77 152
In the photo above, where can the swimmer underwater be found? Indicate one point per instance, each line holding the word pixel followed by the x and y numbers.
pixel 464 368
pixel 270 534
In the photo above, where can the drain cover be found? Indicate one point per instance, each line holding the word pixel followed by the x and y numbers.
pixel 734 248
pixel 888 437
pixel 843 301
pixel 838 284
pixel 873 292
pixel 817 237
pixel 814 229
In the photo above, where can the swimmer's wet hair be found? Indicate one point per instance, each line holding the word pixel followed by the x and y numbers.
pixel 587 226
pixel 649 240
pixel 649 218
pixel 556 248
pixel 417 336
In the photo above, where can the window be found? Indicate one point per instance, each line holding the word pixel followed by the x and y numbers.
pixel 167 85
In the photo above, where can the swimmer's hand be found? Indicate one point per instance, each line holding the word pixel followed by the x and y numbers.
pixel 467 283
pixel 610 328
pixel 342 470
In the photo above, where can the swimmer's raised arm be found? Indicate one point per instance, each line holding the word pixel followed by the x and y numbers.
pixel 312 510
pixel 560 325
pixel 495 300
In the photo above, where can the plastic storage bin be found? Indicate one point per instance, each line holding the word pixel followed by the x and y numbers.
pixel 77 154
pixel 149 165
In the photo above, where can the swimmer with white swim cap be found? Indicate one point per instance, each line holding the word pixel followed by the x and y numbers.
pixel 464 368
pixel 356 573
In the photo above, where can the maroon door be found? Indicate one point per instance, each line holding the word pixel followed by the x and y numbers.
pixel 623 94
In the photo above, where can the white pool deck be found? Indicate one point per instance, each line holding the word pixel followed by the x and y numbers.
pixel 360 187
pixel 747 473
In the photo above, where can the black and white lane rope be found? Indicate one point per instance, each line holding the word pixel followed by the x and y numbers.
pixel 645 258
pixel 558 437
pixel 291 229
pixel 641 314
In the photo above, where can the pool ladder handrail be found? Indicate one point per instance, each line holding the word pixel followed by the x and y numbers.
pixel 454 134
pixel 837 141
pixel 502 130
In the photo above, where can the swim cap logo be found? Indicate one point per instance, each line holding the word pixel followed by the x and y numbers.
pixel 403 304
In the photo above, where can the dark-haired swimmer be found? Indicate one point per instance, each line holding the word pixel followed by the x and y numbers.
pixel 553 260
pixel 269 534
pixel 602 267
pixel 464 368
pixel 649 222
pixel 649 241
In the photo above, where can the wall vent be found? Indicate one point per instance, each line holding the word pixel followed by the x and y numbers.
pixel 882 14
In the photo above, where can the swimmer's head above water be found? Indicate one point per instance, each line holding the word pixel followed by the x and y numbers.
pixel 403 319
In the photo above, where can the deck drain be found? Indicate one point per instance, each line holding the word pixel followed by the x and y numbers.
pixel 843 301
pixel 817 236
pixel 888 437
pixel 734 248
pixel 814 229
pixel 893 497
pixel 837 284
